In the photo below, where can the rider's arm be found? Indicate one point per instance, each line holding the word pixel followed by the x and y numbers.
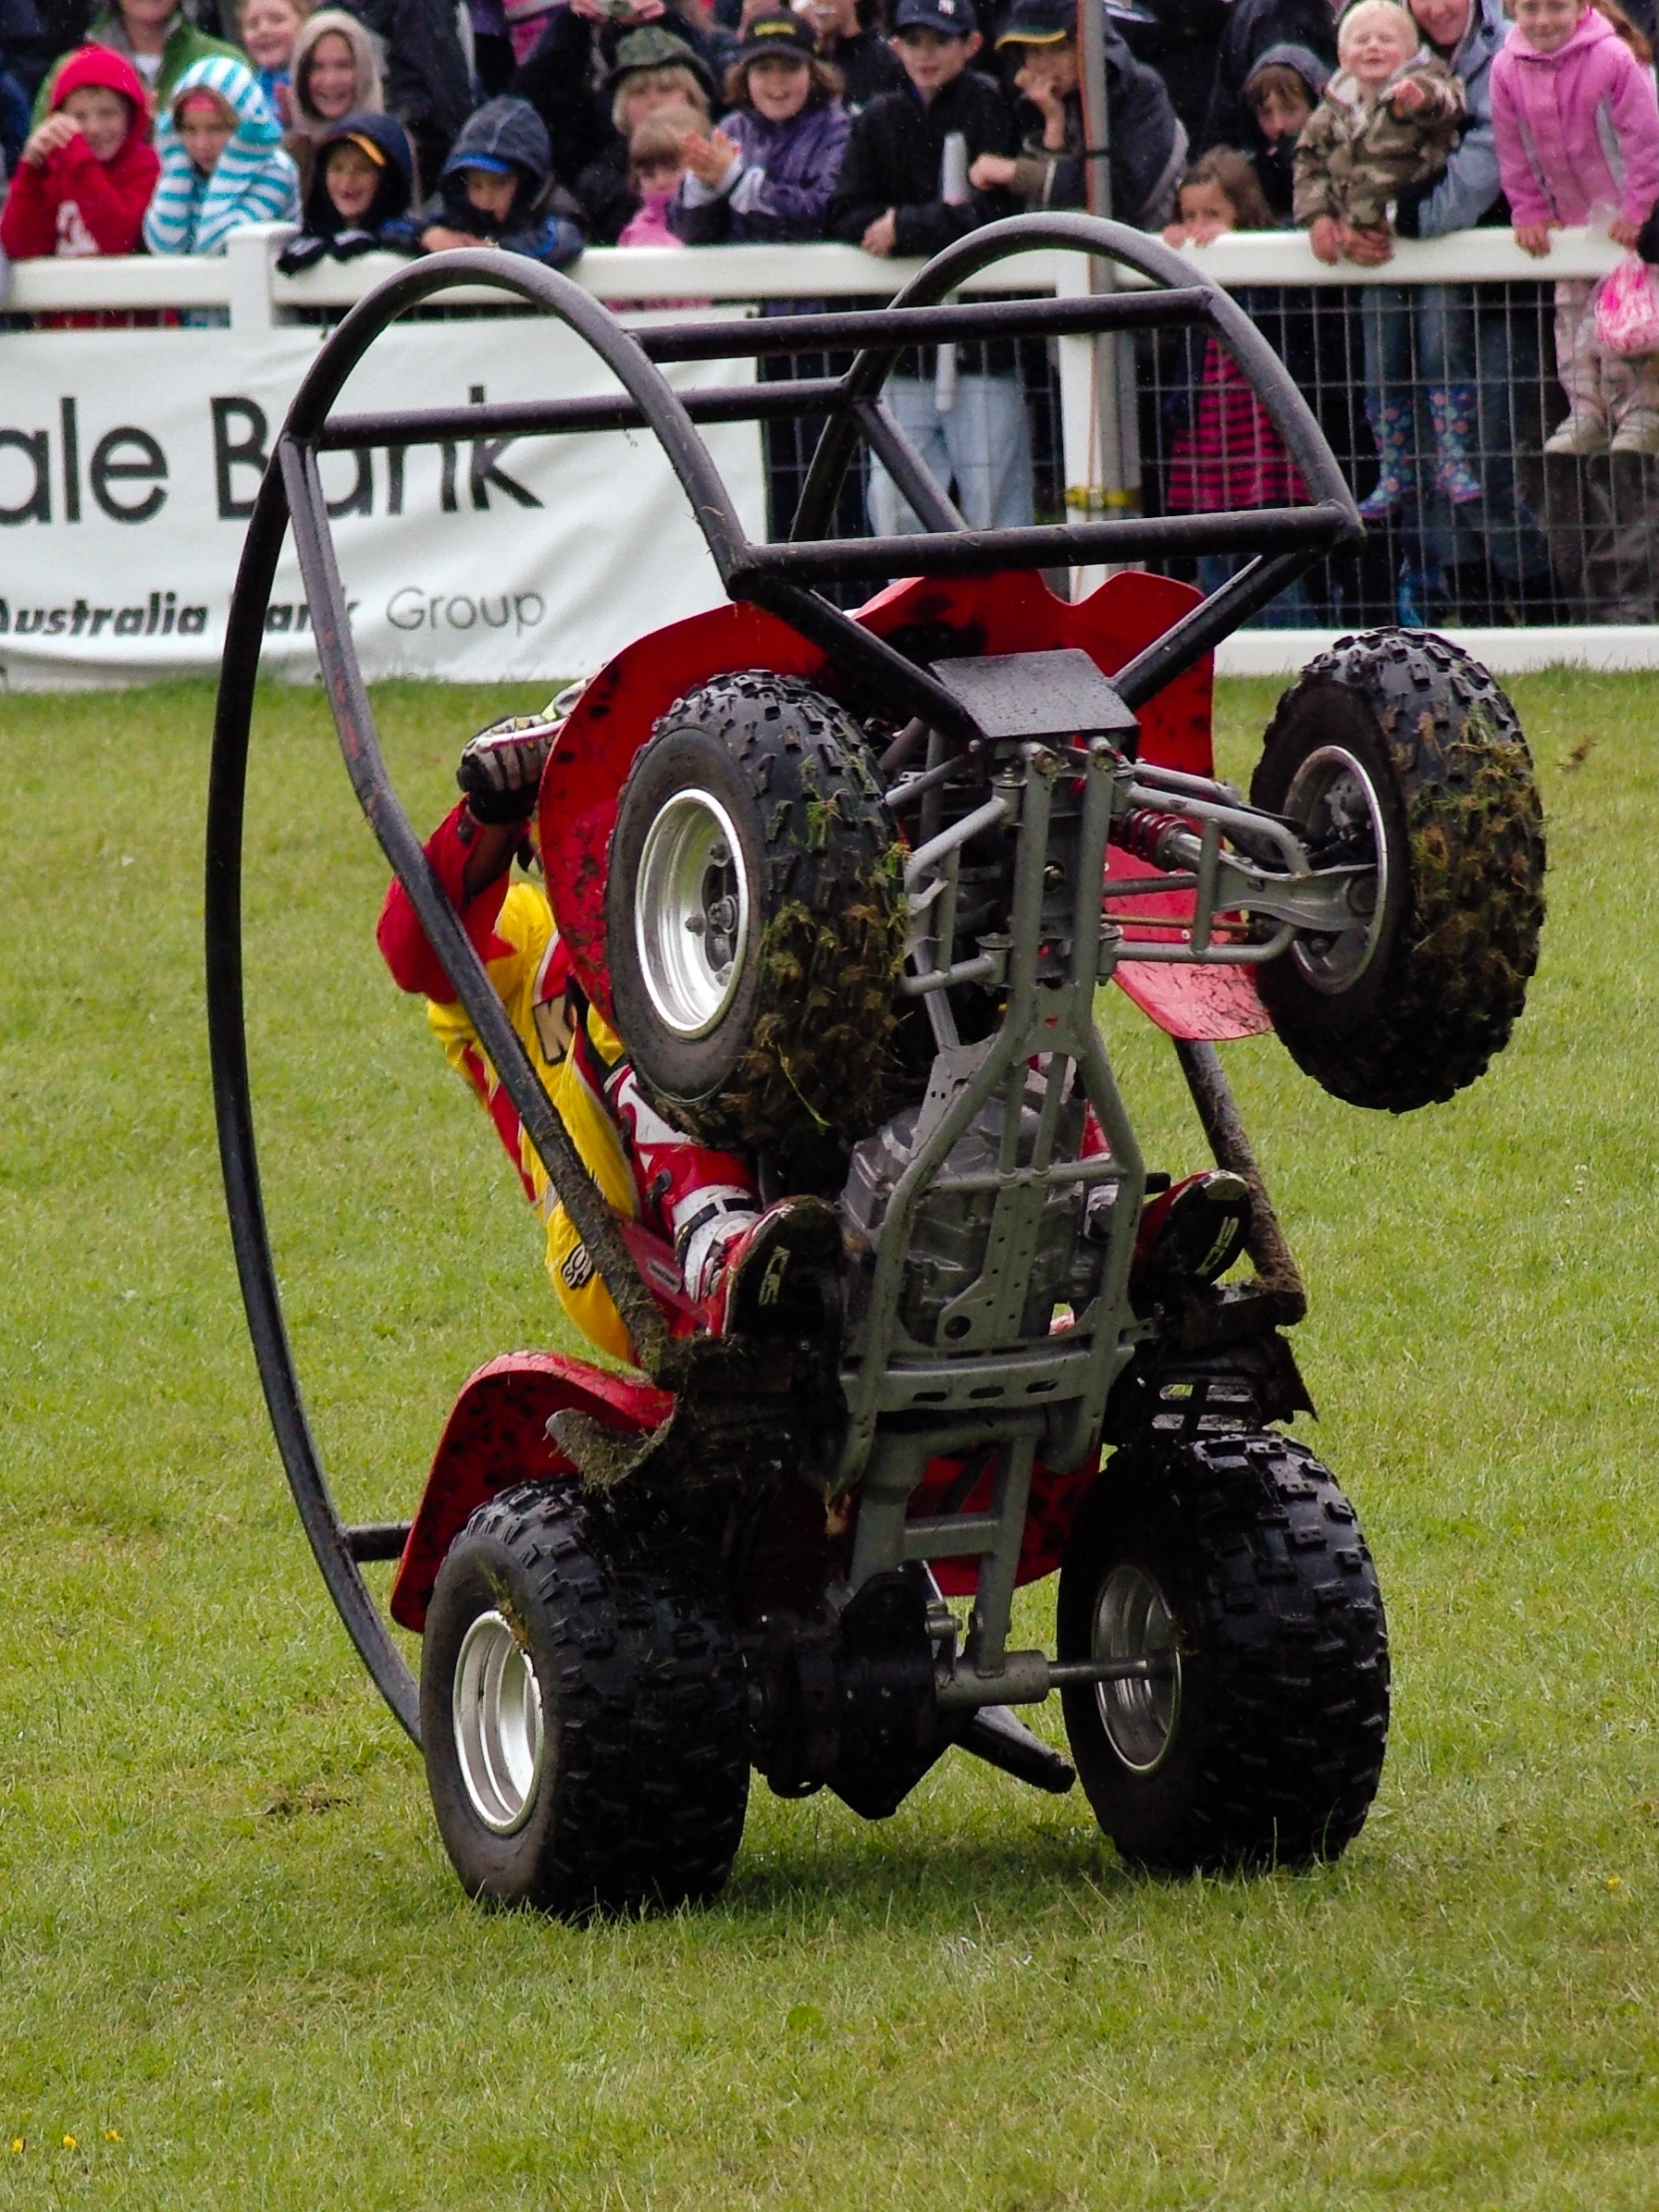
pixel 471 860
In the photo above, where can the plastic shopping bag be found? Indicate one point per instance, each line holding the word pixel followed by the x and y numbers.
pixel 1628 309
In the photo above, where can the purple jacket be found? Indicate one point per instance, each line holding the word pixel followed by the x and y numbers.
pixel 782 191
pixel 1577 130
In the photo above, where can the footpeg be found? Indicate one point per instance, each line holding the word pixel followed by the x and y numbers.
pixel 994 1735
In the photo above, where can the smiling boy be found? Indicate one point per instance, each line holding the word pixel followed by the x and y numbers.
pixel 88 170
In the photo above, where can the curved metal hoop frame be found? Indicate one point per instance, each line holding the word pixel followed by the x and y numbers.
pixel 779 578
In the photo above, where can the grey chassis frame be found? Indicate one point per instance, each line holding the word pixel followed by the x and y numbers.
pixel 1283 541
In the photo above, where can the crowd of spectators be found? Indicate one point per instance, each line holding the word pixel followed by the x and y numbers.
pixel 898 126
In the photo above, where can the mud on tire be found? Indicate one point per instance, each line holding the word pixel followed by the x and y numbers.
pixel 790 1043
pixel 630 1794
pixel 1414 1013
pixel 1235 1565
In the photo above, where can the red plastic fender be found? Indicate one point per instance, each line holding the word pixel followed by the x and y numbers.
pixel 496 1436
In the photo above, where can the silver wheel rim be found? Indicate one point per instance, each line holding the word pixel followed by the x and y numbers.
pixel 1132 1620
pixel 1333 793
pixel 690 913
pixel 498 1724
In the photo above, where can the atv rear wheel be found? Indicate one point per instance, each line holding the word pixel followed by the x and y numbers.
pixel 1396 750
pixel 583 1713
pixel 755 917
pixel 1235 1567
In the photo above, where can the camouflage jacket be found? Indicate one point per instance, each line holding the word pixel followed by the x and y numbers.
pixel 1355 155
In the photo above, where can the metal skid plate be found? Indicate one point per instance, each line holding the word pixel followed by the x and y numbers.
pixel 1038 695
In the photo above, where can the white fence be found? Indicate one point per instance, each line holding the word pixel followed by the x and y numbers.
pixel 128 458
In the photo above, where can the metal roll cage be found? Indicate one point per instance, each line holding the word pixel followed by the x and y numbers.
pixel 778 578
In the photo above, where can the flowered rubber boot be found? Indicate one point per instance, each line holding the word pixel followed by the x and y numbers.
pixel 1397 481
pixel 1453 409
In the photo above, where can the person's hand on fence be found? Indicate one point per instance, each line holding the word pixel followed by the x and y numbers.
pixel 1371 248
pixel 991 172
pixel 1624 233
pixel 437 238
pixel 1324 235
pixel 1533 238
pixel 882 236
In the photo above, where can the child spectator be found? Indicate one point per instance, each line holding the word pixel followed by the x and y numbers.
pixel 160 40
pixel 1226 453
pixel 223 163
pixel 654 69
pixel 1279 97
pixel 270 31
pixel 1578 141
pixel 497 189
pixel 1148 143
pixel 592 42
pixel 89 169
pixel 1388 120
pixel 905 190
pixel 769 171
pixel 362 187
pixel 657 163
pixel 333 74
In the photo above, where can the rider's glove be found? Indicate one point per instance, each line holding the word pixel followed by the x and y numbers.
pixel 500 769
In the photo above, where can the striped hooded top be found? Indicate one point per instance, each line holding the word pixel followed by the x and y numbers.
pixel 254 181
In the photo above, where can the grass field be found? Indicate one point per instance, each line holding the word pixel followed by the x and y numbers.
pixel 234 1967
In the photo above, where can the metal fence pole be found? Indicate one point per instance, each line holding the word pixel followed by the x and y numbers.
pixel 1110 481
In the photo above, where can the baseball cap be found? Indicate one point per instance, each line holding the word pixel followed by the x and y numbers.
pixel 954 18
pixel 1039 23
pixel 780 32
pixel 491 164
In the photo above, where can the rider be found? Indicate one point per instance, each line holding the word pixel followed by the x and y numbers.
pixel 730 1254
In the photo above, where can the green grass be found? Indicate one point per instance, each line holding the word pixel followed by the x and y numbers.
pixel 234 1964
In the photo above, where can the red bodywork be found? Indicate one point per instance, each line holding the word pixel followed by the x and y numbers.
pixel 496 1434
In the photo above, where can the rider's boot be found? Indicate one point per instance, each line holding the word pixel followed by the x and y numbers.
pixel 780 1277
pixel 1192 1234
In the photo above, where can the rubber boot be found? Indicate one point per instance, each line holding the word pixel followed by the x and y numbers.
pixel 1453 409
pixel 1397 481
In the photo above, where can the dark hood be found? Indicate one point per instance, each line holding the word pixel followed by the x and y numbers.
pixel 508 129
pixel 1272 161
pixel 393 190
pixel 1315 74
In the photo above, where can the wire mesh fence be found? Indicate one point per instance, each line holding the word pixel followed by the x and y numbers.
pixel 1438 400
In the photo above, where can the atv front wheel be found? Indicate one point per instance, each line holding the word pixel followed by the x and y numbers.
pixel 1396 752
pixel 754 919
pixel 583 1713
pixel 1232 1569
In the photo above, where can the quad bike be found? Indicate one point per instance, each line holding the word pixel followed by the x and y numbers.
pixel 849 886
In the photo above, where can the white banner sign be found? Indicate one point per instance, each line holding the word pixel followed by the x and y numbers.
pixel 129 460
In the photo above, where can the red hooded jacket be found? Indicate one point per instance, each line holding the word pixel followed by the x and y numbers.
pixel 72 204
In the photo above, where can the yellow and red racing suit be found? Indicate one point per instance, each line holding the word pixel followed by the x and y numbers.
pixel 651 1174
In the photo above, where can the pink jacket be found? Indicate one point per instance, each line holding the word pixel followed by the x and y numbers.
pixel 1577 130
